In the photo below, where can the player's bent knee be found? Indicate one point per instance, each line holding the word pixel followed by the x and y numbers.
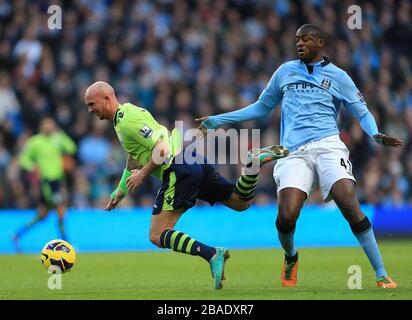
pixel 288 214
pixel 349 206
pixel 287 217
pixel 244 205
pixel 285 224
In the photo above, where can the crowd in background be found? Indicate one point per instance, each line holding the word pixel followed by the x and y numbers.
pixel 185 59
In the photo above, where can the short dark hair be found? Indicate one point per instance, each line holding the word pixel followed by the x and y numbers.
pixel 311 28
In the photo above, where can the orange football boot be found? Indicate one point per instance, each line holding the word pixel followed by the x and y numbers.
pixel 289 275
pixel 386 282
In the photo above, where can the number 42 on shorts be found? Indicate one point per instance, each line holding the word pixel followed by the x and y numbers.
pixel 347 167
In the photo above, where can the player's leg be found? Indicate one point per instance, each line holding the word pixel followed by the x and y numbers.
pixel 236 203
pixel 42 212
pixel 343 193
pixel 59 199
pixel 179 191
pixel 244 190
pixel 61 212
pixel 43 209
pixel 337 183
pixel 163 235
pixel 294 178
pixel 290 202
pixel 246 184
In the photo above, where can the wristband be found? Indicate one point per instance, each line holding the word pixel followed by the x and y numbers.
pixel 122 184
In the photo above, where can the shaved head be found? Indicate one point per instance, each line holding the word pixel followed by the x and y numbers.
pixel 99 87
pixel 101 100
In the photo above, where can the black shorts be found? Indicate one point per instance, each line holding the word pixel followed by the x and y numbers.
pixel 184 183
pixel 51 192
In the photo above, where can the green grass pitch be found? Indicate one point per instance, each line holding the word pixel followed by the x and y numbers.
pixel 251 275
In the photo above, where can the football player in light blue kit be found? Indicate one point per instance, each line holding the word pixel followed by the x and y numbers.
pixel 311 90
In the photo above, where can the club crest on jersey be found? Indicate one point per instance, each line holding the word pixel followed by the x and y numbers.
pixel 146 131
pixel 120 114
pixel 326 83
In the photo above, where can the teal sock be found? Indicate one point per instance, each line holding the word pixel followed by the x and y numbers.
pixel 287 239
pixel 363 231
pixel 288 243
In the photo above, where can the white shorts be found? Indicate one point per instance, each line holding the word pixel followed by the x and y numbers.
pixel 320 162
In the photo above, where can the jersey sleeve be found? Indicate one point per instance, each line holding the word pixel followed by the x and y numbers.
pixel 272 94
pixel 143 129
pixel 253 111
pixel 353 100
pixel 267 100
pixel 66 143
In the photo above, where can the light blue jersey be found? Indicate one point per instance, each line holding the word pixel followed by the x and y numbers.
pixel 310 103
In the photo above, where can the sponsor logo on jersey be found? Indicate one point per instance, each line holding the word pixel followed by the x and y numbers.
pixel 301 86
pixel 292 74
pixel 146 131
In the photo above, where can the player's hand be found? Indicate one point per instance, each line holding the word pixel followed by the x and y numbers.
pixel 388 141
pixel 202 129
pixel 114 202
pixel 135 180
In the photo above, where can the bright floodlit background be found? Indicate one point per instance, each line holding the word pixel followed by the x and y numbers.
pixel 182 60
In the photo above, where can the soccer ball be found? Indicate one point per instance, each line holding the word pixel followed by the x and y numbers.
pixel 58 253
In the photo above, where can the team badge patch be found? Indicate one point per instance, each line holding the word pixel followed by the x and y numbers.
pixel 326 83
pixel 146 131
pixel 360 96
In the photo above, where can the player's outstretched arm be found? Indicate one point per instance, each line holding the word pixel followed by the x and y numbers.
pixel 388 141
pixel 266 102
pixel 251 112
pixel 352 99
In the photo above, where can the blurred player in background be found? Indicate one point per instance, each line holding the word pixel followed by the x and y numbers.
pixel 43 154
pixel 144 139
pixel 312 89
